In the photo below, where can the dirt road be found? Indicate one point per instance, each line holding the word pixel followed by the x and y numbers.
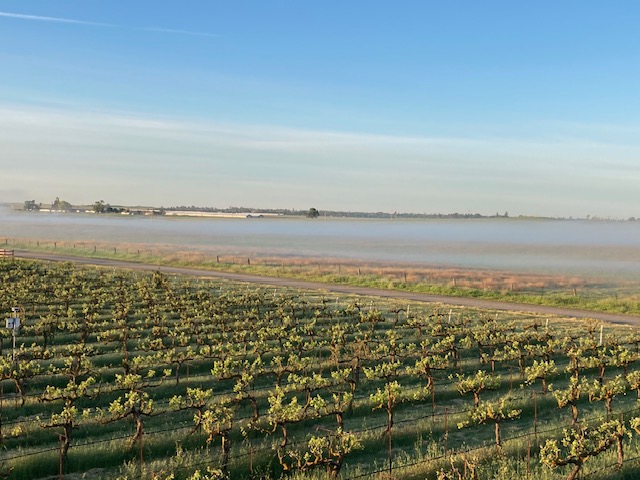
pixel 333 288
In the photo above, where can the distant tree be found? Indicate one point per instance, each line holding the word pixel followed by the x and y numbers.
pixel 60 205
pixel 99 207
pixel 313 213
pixel 30 205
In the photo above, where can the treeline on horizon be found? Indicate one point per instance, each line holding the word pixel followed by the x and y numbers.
pixel 349 214
pixel 333 213
pixel 102 207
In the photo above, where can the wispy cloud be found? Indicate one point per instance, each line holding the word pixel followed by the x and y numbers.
pixel 40 18
pixel 84 152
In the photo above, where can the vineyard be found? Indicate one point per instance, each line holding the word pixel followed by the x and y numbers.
pixel 132 375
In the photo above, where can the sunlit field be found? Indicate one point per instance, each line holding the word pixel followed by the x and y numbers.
pixel 143 375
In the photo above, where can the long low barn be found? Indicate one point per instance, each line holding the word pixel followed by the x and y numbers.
pixel 186 213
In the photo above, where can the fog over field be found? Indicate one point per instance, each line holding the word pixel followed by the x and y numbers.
pixel 571 247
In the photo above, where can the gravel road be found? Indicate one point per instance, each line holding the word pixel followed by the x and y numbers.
pixel 333 288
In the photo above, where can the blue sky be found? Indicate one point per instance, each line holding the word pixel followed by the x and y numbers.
pixel 420 106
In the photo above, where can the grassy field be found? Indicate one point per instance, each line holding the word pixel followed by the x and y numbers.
pixel 616 295
pixel 119 374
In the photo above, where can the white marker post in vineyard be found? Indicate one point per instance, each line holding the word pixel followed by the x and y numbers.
pixel 13 323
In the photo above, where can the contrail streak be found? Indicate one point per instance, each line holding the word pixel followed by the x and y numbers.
pixel 54 19
pixel 41 18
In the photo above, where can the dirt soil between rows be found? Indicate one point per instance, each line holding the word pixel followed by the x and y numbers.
pixel 345 289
